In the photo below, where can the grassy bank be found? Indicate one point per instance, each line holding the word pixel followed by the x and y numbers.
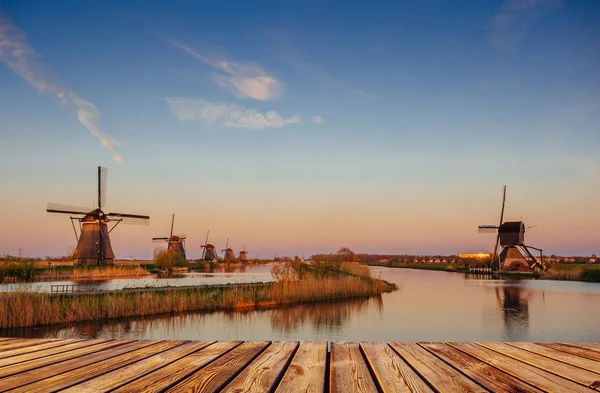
pixel 23 309
pixel 24 271
pixel 566 272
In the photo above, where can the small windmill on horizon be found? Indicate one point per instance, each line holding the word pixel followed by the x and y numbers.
pixel 176 243
pixel 243 257
pixel 209 254
pixel 229 255
pixel 93 241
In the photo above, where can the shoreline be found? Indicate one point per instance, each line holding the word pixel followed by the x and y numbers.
pixel 571 273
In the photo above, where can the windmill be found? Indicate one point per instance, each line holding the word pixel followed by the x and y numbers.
pixel 511 237
pixel 209 253
pixel 176 243
pixel 243 257
pixel 93 241
pixel 229 256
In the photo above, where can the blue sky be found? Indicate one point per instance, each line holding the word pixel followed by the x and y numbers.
pixel 299 127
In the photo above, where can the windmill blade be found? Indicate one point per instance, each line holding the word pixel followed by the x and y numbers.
pixel 182 237
pixel 133 221
pixel 487 229
pixel 66 209
pixel 172 223
pixel 206 241
pixel 126 215
pixel 102 184
pixel 160 238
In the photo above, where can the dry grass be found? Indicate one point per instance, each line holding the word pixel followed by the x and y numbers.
pixel 91 273
pixel 20 309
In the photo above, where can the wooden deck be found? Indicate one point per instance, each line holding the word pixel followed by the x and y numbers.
pixel 52 365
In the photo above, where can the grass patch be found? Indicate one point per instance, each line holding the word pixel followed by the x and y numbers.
pixel 22 309
pixel 27 271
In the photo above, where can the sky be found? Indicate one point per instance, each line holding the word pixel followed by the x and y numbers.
pixel 300 127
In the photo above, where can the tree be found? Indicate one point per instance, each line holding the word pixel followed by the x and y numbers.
pixel 346 255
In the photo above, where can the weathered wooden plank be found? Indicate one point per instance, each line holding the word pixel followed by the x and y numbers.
pixel 574 360
pixel 217 374
pixel 31 346
pixel 564 370
pixel 265 372
pixel 46 368
pixel 482 373
pixel 439 374
pixel 67 379
pixel 21 367
pixel 573 350
pixel 178 370
pixel 590 346
pixel 392 373
pixel 348 370
pixel 306 373
pixel 48 351
pixel 539 378
pixel 117 378
pixel 3 339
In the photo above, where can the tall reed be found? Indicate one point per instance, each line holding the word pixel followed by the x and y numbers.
pixel 20 309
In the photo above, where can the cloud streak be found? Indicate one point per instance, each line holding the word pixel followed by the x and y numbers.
pixel 19 55
pixel 510 23
pixel 245 80
pixel 227 115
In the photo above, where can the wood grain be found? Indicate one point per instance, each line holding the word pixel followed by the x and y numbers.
pixel 348 370
pixel 48 352
pixel 37 346
pixel 117 378
pixel 306 373
pixel 484 374
pixel 564 370
pixel 539 378
pixel 573 350
pixel 391 371
pixel 54 360
pixel 263 374
pixel 574 360
pixel 63 380
pixel 438 373
pixel 45 369
pixel 178 370
pixel 213 377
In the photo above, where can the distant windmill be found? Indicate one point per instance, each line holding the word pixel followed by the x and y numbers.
pixel 243 257
pixel 229 256
pixel 511 237
pixel 93 243
pixel 209 253
pixel 176 243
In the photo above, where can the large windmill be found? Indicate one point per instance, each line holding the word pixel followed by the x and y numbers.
pixel 511 237
pixel 176 243
pixel 229 256
pixel 209 253
pixel 243 257
pixel 93 241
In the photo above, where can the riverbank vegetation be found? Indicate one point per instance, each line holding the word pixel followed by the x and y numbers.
pixel 296 283
pixel 28 271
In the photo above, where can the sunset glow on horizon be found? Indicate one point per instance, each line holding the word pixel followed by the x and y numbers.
pixel 300 136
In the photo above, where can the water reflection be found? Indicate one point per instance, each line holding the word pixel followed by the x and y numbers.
pixel 513 303
pixel 430 306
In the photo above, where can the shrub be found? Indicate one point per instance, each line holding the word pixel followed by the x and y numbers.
pixel 590 275
pixel 165 259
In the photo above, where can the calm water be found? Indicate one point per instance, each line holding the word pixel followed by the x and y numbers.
pixel 428 305
pixel 239 275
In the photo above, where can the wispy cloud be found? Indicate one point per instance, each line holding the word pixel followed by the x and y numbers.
pixel 19 55
pixel 245 80
pixel 317 120
pixel 510 23
pixel 227 115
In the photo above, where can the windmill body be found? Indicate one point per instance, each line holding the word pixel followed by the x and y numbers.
pixel 229 256
pixel 515 254
pixel 209 254
pixel 93 243
pixel 176 243
pixel 243 257
pixel 88 247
